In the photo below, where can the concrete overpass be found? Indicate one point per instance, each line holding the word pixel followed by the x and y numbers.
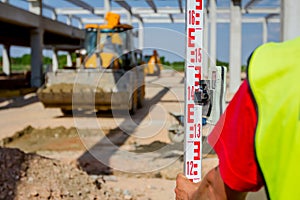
pixel 30 29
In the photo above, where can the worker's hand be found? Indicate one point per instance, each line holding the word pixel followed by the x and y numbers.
pixel 185 189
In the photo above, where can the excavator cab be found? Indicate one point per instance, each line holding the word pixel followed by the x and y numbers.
pixel 90 41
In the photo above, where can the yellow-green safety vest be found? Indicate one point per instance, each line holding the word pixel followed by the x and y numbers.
pixel 274 78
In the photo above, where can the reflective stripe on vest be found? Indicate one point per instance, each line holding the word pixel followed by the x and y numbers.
pixel 274 78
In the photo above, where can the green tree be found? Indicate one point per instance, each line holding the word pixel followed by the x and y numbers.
pixel 178 65
pixel 164 62
pixel 221 63
pixel 25 59
pixel 47 60
pixel 62 61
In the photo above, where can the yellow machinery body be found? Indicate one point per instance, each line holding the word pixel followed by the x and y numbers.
pixel 153 66
pixel 107 75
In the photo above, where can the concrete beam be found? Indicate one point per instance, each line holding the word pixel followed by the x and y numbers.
pixel 178 20
pixel 138 18
pixel 82 4
pixel 205 45
pixel 124 4
pixel 79 11
pixel 180 6
pixel 80 26
pixel 154 15
pixel 135 20
pixel 162 10
pixel 171 18
pixel 63 47
pixel 18 16
pixel 36 43
pixel 250 20
pixel 255 10
pixel 235 47
pixel 75 11
pixel 6 62
pixel 290 18
pixel 61 29
pixel 213 31
pixel 94 20
pixel 152 5
pixel 107 6
pixel 158 20
pixel 148 19
pixel 35 6
pixel 46 6
pixel 251 3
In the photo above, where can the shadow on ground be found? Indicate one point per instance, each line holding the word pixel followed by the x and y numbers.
pixel 89 163
pixel 18 102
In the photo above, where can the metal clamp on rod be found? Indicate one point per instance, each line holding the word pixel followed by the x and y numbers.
pixel 202 96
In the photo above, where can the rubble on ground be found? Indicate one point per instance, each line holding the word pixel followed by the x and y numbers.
pixel 30 176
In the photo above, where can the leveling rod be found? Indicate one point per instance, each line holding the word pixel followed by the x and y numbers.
pixel 193 75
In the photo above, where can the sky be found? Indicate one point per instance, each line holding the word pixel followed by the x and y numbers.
pixel 169 39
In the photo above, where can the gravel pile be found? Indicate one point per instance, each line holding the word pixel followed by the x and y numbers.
pixel 30 176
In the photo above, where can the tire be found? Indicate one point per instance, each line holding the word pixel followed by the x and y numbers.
pixel 134 103
pixel 141 96
pixel 66 112
pixel 176 133
pixel 176 138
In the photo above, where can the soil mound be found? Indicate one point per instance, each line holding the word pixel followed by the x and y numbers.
pixel 30 176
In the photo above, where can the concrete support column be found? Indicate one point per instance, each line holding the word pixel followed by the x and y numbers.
pixel 35 6
pixel 69 20
pixel 265 31
pixel 213 32
pixel 205 45
pixel 290 19
pixel 141 34
pixel 80 25
pixel 54 15
pixel 235 46
pixel 36 43
pixel 107 6
pixel 6 63
pixel 69 60
pixel 54 60
pixel 129 18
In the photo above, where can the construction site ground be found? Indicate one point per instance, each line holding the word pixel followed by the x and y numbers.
pixel 106 153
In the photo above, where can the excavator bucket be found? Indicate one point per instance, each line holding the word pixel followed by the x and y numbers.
pixel 88 89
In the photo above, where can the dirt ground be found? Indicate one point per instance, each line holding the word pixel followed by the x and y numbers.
pixel 129 157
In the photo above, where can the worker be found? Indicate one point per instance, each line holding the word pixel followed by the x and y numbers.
pixel 257 139
pixel 154 64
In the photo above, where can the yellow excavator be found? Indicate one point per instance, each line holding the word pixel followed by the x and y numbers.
pixel 153 66
pixel 107 76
